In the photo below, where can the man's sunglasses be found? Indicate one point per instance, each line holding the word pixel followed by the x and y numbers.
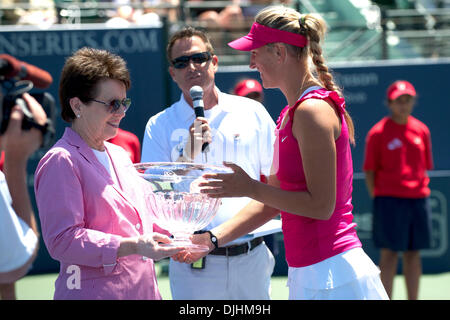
pixel 198 58
pixel 114 105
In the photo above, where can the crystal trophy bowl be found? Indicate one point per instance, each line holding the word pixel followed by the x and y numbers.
pixel 175 199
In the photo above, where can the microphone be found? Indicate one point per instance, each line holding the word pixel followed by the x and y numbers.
pixel 11 67
pixel 196 93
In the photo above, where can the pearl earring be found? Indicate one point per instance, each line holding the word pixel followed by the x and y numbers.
pixel 78 115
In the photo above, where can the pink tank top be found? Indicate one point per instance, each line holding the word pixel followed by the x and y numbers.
pixel 308 241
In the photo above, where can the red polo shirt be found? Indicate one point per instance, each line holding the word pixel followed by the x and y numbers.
pixel 130 142
pixel 399 155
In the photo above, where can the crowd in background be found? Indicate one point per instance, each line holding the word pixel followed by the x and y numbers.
pixel 120 13
pixel 228 19
pixel 227 14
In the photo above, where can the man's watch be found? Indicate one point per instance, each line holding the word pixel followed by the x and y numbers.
pixel 213 238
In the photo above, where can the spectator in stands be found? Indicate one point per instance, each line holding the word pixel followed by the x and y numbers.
pixel 40 13
pixel 209 19
pixel 127 14
pixel 252 7
pixel 249 88
pixel 397 157
pixel 229 17
pixel 91 202
pixel 171 11
pixel 18 228
pixel 220 21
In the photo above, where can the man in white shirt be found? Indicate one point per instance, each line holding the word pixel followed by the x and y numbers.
pixel 238 130
pixel 18 228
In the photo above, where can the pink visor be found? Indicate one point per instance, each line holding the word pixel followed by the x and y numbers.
pixel 260 35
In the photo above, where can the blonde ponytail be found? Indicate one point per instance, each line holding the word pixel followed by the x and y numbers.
pixel 314 28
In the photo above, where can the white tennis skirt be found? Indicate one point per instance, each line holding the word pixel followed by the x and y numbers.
pixel 351 275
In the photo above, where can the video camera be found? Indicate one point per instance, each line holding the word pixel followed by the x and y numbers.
pixel 16 78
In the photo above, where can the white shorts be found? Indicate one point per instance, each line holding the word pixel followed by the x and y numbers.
pixel 351 275
pixel 243 277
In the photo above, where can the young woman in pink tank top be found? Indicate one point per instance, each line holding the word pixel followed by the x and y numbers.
pixel 311 180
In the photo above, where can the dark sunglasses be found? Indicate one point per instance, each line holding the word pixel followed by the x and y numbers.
pixel 114 105
pixel 198 58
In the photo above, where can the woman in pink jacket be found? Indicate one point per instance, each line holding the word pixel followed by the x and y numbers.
pixel 91 205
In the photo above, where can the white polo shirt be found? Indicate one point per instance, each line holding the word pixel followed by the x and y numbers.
pixel 17 240
pixel 242 132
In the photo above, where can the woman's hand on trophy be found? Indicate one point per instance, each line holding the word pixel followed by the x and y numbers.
pixel 227 185
pixel 189 257
pixel 149 245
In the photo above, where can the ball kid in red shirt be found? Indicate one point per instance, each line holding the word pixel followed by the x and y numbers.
pixel 397 157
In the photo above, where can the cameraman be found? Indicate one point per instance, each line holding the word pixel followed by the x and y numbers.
pixel 18 228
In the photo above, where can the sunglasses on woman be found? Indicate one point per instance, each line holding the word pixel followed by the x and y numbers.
pixel 114 105
pixel 198 58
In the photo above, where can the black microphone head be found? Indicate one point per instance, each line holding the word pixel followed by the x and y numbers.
pixel 196 92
